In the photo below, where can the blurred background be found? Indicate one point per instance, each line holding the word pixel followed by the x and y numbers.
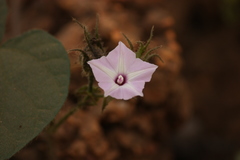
pixel 191 107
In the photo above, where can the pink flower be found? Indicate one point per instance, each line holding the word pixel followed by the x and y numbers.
pixel 120 74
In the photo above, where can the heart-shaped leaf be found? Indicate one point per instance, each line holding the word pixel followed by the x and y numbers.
pixel 3 15
pixel 34 79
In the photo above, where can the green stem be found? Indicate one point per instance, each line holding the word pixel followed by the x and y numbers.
pixel 106 100
pixel 90 83
pixel 63 119
pixel 104 104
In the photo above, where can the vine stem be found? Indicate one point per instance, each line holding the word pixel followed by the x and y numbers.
pixel 66 116
pixel 90 83
pixel 72 111
pixel 63 119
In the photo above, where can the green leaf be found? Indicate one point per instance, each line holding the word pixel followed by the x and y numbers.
pixel 129 42
pixel 3 16
pixel 34 79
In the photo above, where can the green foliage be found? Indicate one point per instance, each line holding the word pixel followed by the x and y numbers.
pixel 34 79
pixel 94 46
pixel 143 46
pixel 230 10
pixel 88 98
pixel 142 51
pixel 106 100
pixel 129 42
pixel 3 15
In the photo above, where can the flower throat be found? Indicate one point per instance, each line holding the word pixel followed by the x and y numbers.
pixel 120 80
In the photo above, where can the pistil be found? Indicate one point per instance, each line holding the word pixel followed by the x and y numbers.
pixel 120 80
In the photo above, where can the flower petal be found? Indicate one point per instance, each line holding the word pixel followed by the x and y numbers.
pixel 108 87
pixel 102 70
pixel 123 61
pixel 141 71
pixel 126 91
pixel 138 86
pixel 121 58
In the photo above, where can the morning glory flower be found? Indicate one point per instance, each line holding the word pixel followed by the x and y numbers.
pixel 120 74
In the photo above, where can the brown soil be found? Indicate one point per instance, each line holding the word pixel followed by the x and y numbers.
pixel 191 107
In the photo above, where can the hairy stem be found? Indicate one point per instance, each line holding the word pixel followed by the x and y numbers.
pixel 63 119
pixel 90 83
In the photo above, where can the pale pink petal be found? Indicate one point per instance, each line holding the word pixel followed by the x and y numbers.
pixel 141 71
pixel 121 58
pixel 137 86
pixel 102 70
pixel 108 87
pixel 126 92
pixel 123 61
pixel 113 57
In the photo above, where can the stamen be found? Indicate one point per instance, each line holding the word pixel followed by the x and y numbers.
pixel 120 80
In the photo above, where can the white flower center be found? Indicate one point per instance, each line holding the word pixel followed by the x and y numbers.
pixel 120 80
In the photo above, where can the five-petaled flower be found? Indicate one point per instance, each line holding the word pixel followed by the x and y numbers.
pixel 120 74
